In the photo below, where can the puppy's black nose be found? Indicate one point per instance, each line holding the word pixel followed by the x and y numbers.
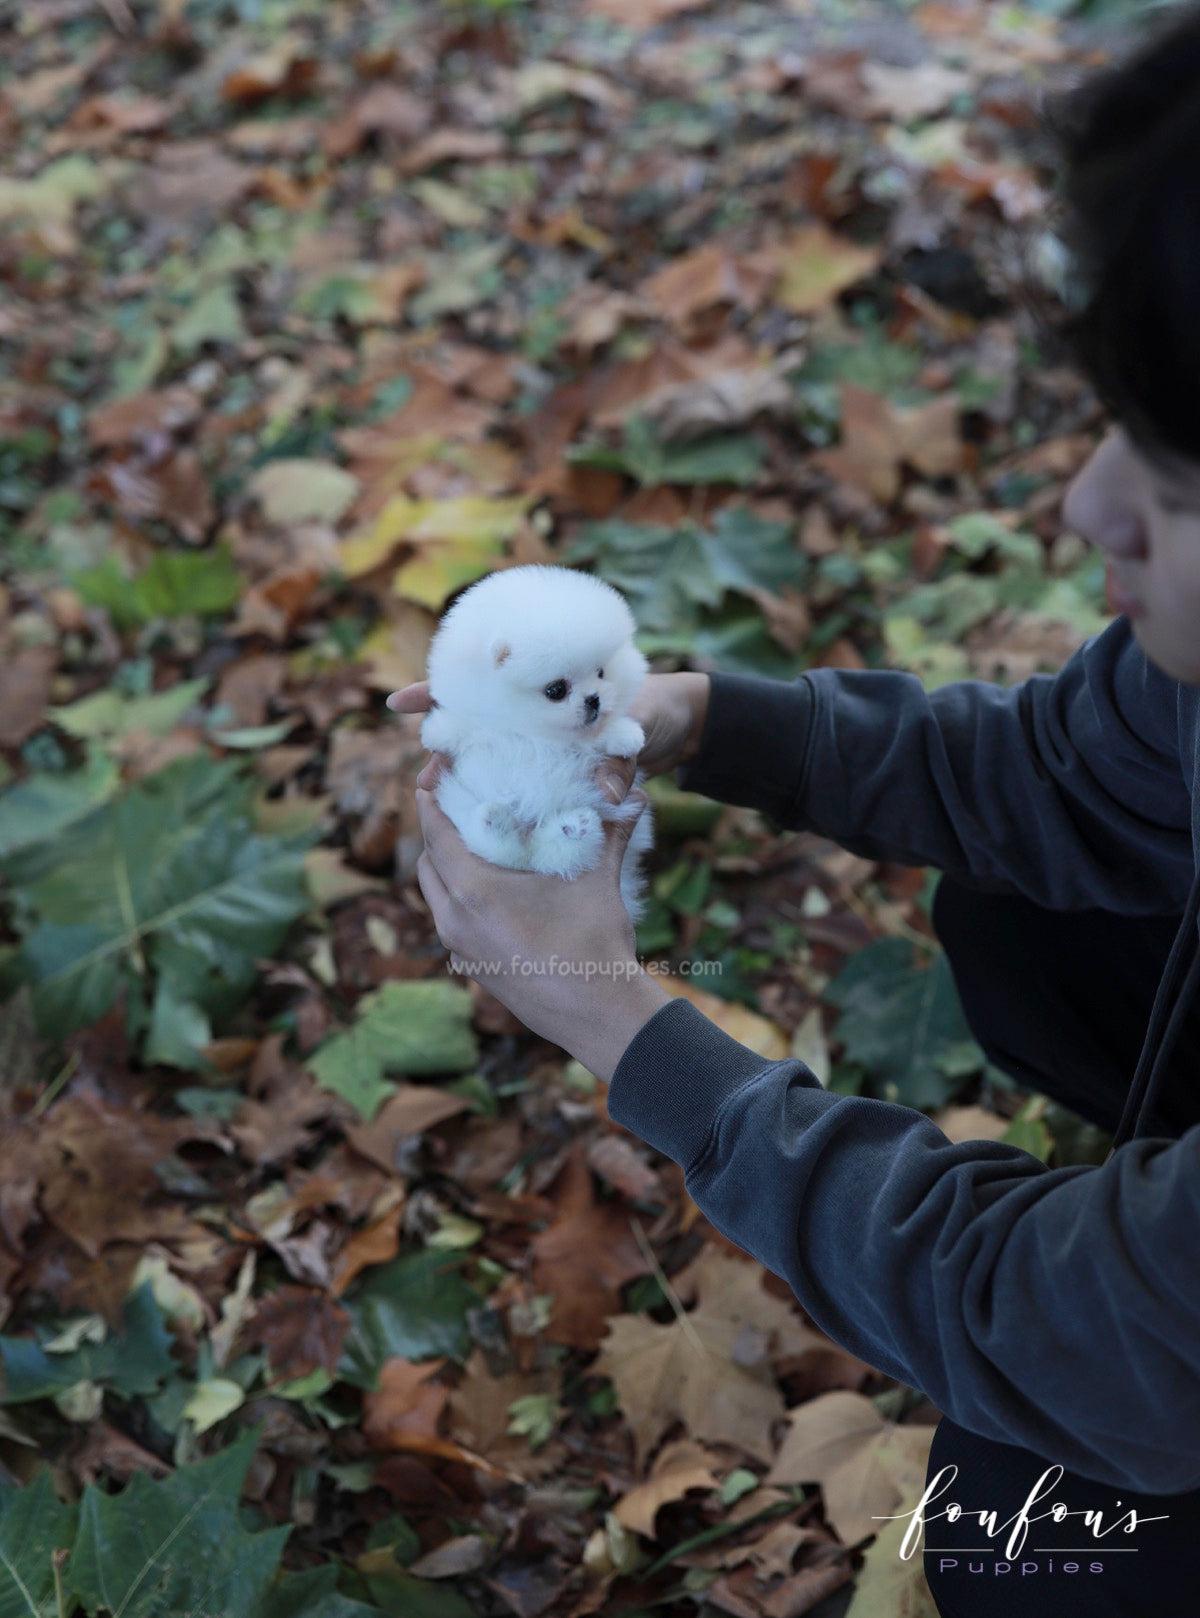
pixel 592 702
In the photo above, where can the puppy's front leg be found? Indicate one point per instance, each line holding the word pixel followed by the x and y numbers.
pixel 567 843
pixel 624 738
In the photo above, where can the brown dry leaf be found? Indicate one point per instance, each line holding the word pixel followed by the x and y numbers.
pixel 376 1243
pixel 189 181
pixel 162 483
pixel 616 1158
pixel 865 1465
pixel 143 416
pixel 734 1019
pixel 677 1468
pixel 970 1123
pixel 301 1329
pixel 479 1417
pixel 406 1403
pixel 275 605
pixel 100 1172
pixel 275 1129
pixel 25 686
pixel 688 1372
pixel 704 279
pixel 250 686
pixel 644 13
pixel 712 1370
pixel 908 93
pixel 371 775
pixel 413 1109
pixel 584 1257
pixel 749 1594
pixel 878 438
pixel 383 109
pixel 287 68
pixel 121 114
pixel 722 402
pixel 735 1286
pixel 451 145
pixel 1011 646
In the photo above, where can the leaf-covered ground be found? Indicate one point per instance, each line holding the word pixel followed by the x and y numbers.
pixel 312 313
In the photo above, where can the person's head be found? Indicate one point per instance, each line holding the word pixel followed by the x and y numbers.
pixel 1129 145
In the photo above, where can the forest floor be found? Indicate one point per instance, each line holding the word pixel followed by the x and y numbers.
pixel 327 1289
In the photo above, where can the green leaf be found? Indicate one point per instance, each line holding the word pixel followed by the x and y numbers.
pixel 175 1547
pixel 205 583
pixel 418 1598
pixel 410 1028
pixel 415 1307
pixel 312 1594
pixel 33 1525
pixel 136 1362
pixel 40 809
pixel 106 713
pixel 719 458
pixel 215 317
pixel 166 892
pixel 902 1023
pixel 669 574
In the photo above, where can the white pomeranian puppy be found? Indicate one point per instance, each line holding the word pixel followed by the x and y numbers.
pixel 532 673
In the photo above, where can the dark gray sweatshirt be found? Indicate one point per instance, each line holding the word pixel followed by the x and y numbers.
pixel 1055 1309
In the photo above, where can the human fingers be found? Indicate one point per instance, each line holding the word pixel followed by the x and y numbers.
pixel 437 896
pixel 410 698
pixel 432 770
pixel 614 776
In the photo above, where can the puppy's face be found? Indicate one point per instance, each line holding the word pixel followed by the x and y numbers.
pixel 567 694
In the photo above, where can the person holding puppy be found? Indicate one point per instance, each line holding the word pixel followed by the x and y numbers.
pixel 1053 1315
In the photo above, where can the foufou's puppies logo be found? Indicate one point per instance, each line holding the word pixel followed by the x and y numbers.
pixel 1092 1532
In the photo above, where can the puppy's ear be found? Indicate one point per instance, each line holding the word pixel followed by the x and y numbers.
pixel 499 652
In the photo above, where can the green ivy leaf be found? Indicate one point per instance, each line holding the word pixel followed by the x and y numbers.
pixel 669 574
pixel 311 1594
pixel 904 1024
pixel 40 809
pixel 415 1307
pixel 175 1547
pixel 410 1028
pixel 136 1362
pixel 106 713
pixel 165 892
pixel 33 1525
pixel 175 583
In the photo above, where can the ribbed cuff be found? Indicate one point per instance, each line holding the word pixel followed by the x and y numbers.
pixel 675 1073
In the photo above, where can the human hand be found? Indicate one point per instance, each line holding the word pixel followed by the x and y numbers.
pixel 561 955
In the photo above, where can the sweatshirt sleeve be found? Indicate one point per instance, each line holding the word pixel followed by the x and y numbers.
pixel 1054 1309
pixel 1068 788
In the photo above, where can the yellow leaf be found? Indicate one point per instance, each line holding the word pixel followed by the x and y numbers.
pixel 443 567
pixel 462 520
pixel 738 1021
pixel 815 265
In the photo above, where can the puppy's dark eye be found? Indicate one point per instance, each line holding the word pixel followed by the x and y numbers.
pixel 599 674
pixel 556 690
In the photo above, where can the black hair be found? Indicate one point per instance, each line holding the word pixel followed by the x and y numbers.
pixel 1128 148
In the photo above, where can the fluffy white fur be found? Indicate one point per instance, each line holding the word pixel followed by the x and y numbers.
pixel 532 673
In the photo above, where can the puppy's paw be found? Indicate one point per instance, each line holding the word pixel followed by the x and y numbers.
pixel 567 844
pixel 495 834
pixel 624 738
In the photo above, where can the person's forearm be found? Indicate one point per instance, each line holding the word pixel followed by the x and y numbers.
pixel 606 1015
pixel 1067 788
